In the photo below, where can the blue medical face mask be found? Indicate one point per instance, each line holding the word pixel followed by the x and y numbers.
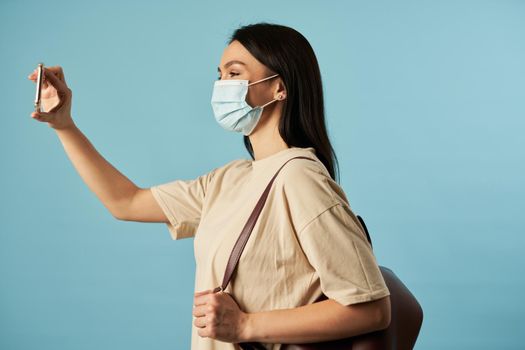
pixel 229 105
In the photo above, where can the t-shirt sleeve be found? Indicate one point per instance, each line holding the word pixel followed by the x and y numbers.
pixel 337 248
pixel 182 202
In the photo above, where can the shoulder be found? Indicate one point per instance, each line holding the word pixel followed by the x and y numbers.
pixel 305 179
pixel 230 171
pixel 232 166
pixel 307 190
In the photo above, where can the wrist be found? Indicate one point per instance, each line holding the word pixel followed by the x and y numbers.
pixel 68 127
pixel 247 327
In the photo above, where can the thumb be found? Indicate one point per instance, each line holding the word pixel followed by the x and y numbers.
pixel 42 116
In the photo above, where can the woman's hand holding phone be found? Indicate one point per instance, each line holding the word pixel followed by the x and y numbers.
pixel 55 98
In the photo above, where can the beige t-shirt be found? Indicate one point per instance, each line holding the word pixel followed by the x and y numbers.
pixel 307 240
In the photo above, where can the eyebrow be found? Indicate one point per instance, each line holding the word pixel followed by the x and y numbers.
pixel 230 63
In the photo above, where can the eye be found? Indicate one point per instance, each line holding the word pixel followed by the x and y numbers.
pixel 230 74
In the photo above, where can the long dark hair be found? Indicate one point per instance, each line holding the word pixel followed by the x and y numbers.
pixel 287 52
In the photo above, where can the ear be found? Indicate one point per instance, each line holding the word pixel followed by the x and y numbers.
pixel 280 92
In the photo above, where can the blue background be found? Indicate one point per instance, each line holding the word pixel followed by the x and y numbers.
pixel 425 109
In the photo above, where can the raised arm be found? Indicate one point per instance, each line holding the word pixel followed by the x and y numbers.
pixel 118 194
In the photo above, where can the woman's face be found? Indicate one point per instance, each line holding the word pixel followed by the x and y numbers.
pixel 238 63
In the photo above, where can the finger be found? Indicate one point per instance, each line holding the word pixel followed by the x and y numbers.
pixel 59 73
pixel 200 322
pixel 33 75
pixel 51 78
pixel 203 332
pixel 201 299
pixel 200 310
pixel 203 292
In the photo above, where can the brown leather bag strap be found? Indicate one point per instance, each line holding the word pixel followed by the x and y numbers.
pixel 246 231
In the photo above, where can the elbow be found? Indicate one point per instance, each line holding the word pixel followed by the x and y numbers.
pixel 384 321
pixel 384 313
pixel 118 215
pixel 118 211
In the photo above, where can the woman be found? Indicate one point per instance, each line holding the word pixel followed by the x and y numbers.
pixel 307 240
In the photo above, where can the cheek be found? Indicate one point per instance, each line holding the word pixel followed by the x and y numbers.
pixel 251 97
pixel 256 97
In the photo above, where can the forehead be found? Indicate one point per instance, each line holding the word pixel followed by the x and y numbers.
pixel 235 51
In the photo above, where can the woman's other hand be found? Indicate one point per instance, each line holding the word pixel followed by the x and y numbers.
pixel 218 316
pixel 56 98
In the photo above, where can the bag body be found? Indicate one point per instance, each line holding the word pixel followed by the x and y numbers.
pixel 401 334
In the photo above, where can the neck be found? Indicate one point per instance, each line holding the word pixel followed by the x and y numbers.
pixel 265 138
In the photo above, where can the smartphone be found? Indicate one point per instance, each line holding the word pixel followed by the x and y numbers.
pixel 40 73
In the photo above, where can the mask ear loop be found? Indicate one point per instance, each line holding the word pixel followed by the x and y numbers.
pixel 280 97
pixel 266 104
pixel 255 82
